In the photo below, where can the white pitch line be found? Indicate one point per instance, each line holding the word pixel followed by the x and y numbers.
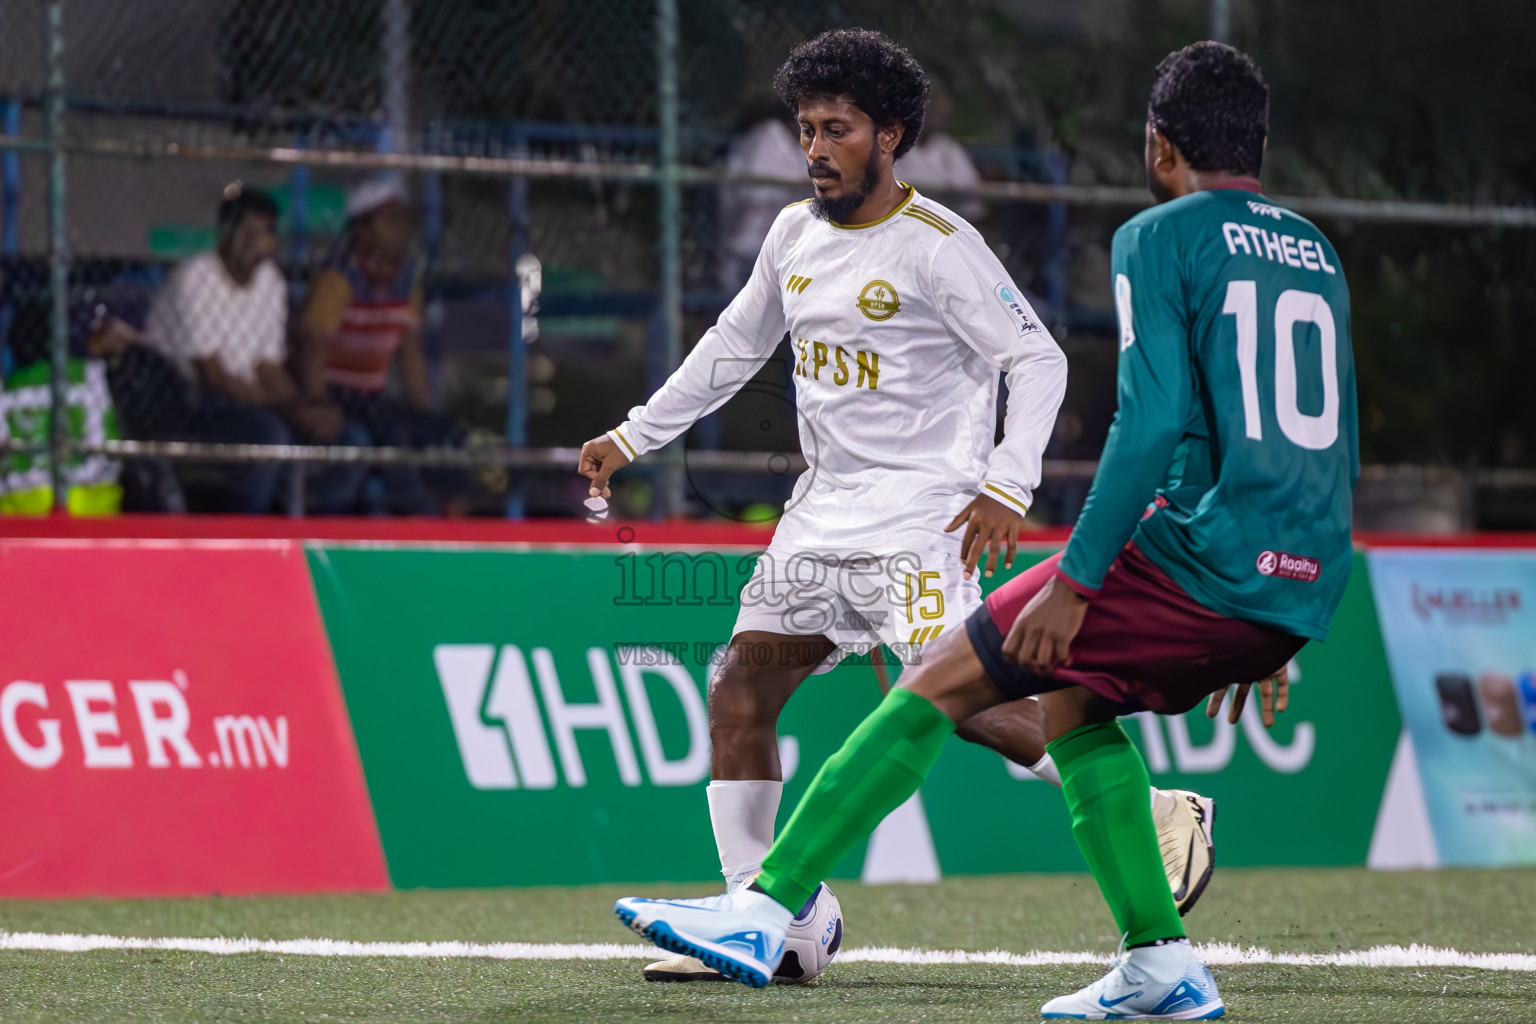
pixel 1221 954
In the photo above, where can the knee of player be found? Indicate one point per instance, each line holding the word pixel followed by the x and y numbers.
pixel 741 697
pixel 957 689
pixel 972 732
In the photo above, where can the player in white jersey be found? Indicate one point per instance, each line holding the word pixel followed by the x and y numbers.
pixel 900 319
pixel 899 327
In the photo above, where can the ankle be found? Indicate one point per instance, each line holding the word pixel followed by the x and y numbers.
pixel 760 902
pixel 1165 960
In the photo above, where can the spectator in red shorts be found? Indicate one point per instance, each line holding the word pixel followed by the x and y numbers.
pixel 360 322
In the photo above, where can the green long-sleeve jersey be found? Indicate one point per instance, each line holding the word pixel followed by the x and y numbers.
pixel 1234 453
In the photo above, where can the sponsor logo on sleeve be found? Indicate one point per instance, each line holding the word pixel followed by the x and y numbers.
pixel 1013 302
pixel 1289 567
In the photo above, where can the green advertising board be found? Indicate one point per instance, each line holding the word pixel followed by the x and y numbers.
pixel 538 717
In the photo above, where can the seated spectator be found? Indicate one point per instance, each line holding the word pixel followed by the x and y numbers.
pixel 362 319
pixel 91 482
pixel 143 385
pixel 222 322
pixel 768 149
pixel 940 164
pixel 94 331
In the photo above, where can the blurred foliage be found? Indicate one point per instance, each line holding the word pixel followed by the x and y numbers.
pixel 1409 99
pixel 1443 325
pixel 1412 99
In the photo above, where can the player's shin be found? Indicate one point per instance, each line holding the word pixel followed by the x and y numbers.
pixel 881 764
pixel 742 814
pixel 1105 783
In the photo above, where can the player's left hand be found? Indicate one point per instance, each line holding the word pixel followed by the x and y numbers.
pixel 1274 695
pixel 1041 637
pixel 990 526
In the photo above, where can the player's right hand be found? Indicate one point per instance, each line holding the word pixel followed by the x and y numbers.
pixel 1274 695
pixel 990 527
pixel 600 459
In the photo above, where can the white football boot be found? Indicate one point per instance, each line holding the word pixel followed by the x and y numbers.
pixel 682 968
pixel 1150 983
pixel 691 968
pixel 739 934
pixel 1185 822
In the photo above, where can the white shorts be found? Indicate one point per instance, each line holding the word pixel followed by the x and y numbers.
pixel 859 600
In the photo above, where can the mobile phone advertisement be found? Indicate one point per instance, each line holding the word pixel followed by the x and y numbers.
pixel 1460 634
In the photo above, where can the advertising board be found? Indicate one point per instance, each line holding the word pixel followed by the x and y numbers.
pixel 538 717
pixel 1460 631
pixel 171 724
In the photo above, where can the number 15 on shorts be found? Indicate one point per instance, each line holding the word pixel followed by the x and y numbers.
pixel 920 593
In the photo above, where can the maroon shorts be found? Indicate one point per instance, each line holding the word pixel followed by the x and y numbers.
pixel 1144 643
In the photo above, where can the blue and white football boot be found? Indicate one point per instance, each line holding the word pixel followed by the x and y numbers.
pixel 1148 983
pixel 739 934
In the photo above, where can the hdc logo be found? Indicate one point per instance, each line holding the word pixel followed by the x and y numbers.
pixel 500 729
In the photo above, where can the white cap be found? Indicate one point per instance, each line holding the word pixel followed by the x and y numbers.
pixel 379 190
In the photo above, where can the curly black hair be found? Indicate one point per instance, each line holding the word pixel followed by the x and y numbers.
pixel 1211 102
pixel 881 78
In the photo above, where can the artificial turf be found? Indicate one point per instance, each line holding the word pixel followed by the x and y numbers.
pixel 1286 911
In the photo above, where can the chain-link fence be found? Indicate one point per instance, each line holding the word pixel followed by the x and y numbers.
pixel 495 227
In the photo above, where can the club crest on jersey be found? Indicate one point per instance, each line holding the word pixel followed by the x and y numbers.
pixel 879 301
pixel 1014 304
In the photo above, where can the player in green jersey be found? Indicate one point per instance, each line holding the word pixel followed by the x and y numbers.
pixel 1215 542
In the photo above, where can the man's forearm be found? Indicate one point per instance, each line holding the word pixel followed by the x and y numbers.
pixel 276 388
pixel 311 364
pixel 229 386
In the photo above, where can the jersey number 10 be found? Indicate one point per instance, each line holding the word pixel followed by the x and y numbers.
pixel 1291 308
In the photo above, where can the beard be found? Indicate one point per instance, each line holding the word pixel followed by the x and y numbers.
pixel 839 209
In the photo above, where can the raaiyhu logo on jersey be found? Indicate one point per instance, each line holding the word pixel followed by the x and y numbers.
pixel 879 300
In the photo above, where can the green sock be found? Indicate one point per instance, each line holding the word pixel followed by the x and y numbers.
pixel 879 766
pixel 1105 783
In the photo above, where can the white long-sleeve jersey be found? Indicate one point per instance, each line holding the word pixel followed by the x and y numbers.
pixel 899 328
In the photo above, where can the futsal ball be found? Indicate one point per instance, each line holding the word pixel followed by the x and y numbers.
pixel 812 939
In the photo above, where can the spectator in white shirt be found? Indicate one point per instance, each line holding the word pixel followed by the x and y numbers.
pixel 939 164
pixel 769 149
pixel 222 319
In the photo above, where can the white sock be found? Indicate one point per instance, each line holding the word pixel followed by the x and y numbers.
pixel 1045 768
pixel 743 813
pixel 1165 963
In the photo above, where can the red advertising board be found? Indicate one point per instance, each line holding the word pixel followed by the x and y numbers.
pixel 171 724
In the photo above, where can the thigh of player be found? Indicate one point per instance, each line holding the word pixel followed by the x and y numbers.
pixel 792 596
pixel 922 595
pixel 1145 644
